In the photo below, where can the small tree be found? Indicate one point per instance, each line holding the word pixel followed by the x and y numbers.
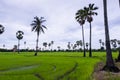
pixel 19 35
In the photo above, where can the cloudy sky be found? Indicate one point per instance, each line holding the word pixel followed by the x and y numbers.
pixel 60 20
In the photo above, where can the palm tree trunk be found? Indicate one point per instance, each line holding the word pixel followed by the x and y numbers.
pixel 119 3
pixel 118 58
pixel 37 45
pixel 83 42
pixel 18 46
pixel 90 52
pixel 110 66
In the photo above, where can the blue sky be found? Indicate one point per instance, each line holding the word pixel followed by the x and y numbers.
pixel 60 20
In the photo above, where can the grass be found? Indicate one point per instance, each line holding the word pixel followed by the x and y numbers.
pixel 48 66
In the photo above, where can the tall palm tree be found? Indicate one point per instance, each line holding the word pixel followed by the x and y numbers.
pixel 38 28
pixel 2 29
pixel 80 17
pixel 119 3
pixel 19 35
pixel 90 12
pixel 110 66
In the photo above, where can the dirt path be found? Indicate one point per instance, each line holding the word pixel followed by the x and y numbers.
pixel 98 74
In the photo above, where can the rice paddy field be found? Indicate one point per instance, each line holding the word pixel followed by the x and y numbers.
pixel 49 65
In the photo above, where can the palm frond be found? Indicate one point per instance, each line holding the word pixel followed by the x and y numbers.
pixel 33 28
pixel 42 30
pixel 42 21
pixel 95 8
pixel 44 26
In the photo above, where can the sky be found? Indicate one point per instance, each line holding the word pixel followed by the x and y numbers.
pixel 60 22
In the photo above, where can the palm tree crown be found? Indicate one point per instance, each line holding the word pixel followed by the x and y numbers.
pixel 81 16
pixel 90 12
pixel 37 25
pixel 19 35
pixel 1 29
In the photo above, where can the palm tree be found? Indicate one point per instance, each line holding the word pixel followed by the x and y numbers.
pixel 114 43
pixel 119 3
pixel 25 45
pixel 81 44
pixel 69 45
pixel 110 66
pixel 45 45
pixel 39 28
pixel 2 29
pixel 58 48
pixel 19 35
pixel 80 17
pixel 49 45
pixel 52 42
pixel 87 46
pixel 78 44
pixel 100 41
pixel 90 12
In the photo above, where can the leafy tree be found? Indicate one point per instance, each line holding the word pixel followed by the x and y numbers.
pixel 80 17
pixel 19 35
pixel 90 12
pixel 2 29
pixel 38 27
pixel 110 66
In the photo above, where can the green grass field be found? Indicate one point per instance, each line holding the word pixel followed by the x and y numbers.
pixel 48 66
